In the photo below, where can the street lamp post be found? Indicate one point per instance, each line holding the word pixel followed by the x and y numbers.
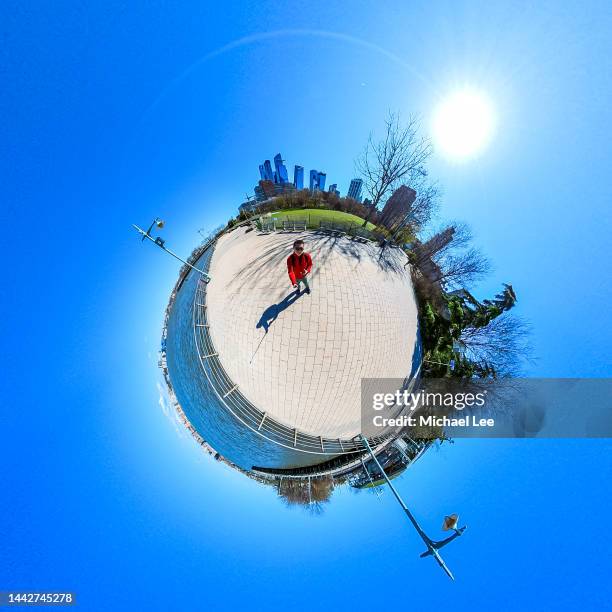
pixel 162 245
pixel 432 545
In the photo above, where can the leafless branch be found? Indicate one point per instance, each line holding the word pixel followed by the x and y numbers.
pixel 399 157
pixel 503 344
pixel 462 269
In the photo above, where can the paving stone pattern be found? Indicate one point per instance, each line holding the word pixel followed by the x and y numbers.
pixel 305 370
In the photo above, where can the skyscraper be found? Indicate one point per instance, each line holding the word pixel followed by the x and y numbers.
pixel 333 188
pixel 317 180
pixel 322 177
pixel 314 180
pixel 262 172
pixel 397 206
pixel 267 174
pixel 281 170
pixel 298 177
pixel 355 189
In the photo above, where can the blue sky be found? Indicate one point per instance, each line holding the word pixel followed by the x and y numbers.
pixel 115 113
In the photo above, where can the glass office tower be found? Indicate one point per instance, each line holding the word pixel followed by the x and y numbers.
pixel 355 189
pixel 298 177
pixel 321 180
pixel 267 175
pixel 281 169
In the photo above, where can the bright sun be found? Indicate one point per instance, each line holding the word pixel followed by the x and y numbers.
pixel 463 124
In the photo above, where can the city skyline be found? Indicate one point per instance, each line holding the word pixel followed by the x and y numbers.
pixel 280 181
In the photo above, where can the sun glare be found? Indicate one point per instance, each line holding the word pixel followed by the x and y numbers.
pixel 463 124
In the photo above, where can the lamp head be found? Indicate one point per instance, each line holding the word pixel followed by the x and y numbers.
pixel 450 522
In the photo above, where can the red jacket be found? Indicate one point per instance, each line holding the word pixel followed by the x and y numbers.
pixel 298 266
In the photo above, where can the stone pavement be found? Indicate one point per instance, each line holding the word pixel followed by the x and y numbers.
pixel 301 360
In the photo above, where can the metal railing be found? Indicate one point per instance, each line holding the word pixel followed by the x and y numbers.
pixel 353 230
pixel 295 225
pixel 268 226
pixel 272 225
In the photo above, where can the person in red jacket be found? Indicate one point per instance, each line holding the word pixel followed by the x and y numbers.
pixel 299 265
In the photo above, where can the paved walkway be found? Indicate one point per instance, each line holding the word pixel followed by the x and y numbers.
pixel 301 359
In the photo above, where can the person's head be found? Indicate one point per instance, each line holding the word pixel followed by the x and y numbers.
pixel 298 247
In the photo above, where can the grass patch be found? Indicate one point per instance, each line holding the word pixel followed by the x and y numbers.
pixel 314 215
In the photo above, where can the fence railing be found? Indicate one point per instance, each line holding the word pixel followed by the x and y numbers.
pixel 351 229
pixel 294 225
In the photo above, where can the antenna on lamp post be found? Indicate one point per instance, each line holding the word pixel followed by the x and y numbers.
pixel 161 243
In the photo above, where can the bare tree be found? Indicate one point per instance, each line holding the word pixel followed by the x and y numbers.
pixel 461 238
pixel 400 156
pixel 419 213
pixel 424 206
pixel 311 493
pixel 503 344
pixel 209 234
pixel 463 268
pixel 451 237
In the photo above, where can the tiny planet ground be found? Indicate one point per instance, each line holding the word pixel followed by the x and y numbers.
pixel 301 358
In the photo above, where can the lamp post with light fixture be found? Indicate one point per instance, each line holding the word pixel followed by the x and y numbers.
pixel 161 243
pixel 450 522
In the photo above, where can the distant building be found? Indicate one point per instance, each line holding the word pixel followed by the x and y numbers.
pixel 314 180
pixel 322 177
pixel 424 253
pixel 265 171
pixel 435 244
pixel 397 207
pixel 264 190
pixel 355 189
pixel 298 177
pixel 281 169
pixel 317 180
pixel 333 188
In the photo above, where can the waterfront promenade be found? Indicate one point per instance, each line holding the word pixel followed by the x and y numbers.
pixel 301 359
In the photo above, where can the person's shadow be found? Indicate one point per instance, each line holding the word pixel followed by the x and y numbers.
pixel 270 314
